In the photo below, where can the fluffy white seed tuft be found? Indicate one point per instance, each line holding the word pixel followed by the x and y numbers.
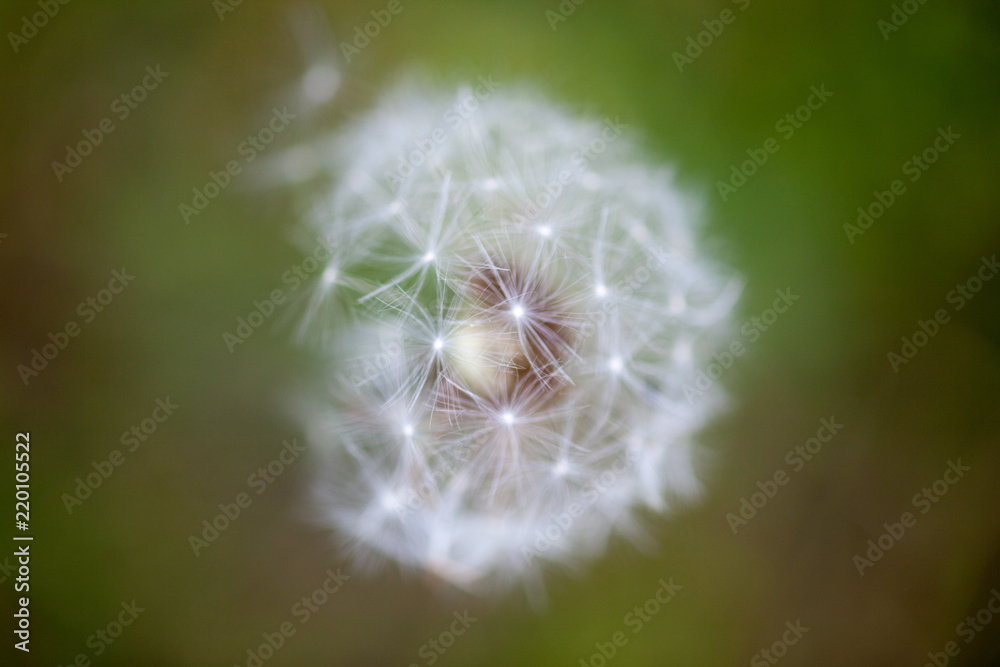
pixel 526 303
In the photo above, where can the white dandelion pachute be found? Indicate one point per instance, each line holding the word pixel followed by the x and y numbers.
pixel 529 313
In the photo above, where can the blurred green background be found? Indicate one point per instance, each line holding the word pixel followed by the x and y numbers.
pixel 162 336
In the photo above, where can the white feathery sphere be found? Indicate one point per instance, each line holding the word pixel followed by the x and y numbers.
pixel 526 302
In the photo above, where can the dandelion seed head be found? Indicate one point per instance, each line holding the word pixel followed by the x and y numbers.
pixel 491 334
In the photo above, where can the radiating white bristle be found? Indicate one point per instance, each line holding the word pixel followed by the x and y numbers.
pixel 524 311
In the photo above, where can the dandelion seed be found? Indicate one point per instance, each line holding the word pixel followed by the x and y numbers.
pixel 321 82
pixel 329 276
pixel 390 502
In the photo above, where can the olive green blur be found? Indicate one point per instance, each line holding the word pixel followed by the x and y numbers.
pixel 784 118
